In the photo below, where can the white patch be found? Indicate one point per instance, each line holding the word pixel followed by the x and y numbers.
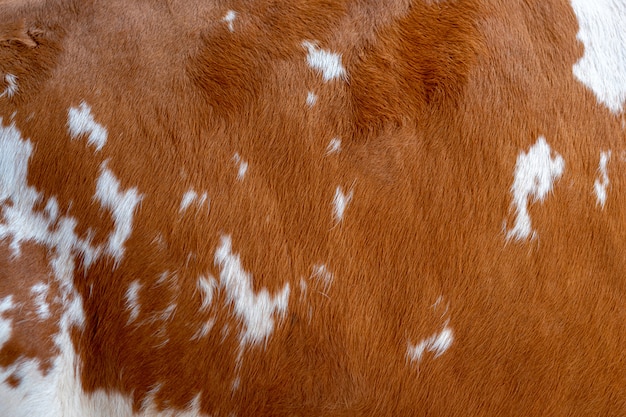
pixel 122 206
pixel 340 203
pixel 602 182
pixel 189 197
pixel 204 330
pixel 11 88
pixel 242 166
pixel 6 304
pixel 52 209
pixel 18 199
pixel 303 288
pixel 236 383
pixel 438 303
pixel 326 62
pixel 41 293
pixel 438 343
pixel 58 393
pixel 81 122
pixel 229 19
pixel 256 311
pixel 168 313
pixel 206 286
pixel 132 300
pixel 323 275
pixel 603 65
pixel 535 174
pixel 311 99
pixel 334 146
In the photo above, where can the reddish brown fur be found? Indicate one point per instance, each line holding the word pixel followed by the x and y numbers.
pixel 440 99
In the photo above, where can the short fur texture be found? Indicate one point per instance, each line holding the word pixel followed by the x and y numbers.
pixel 438 102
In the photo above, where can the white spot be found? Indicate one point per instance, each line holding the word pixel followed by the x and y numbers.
pixel 6 304
pixel 328 63
pixel 189 197
pixel 169 312
pixel 132 300
pixel 311 99
pixel 535 174
pixel 256 311
pixel 603 65
pixel 150 395
pixel 602 182
pixel 303 288
pixel 204 330
pixel 194 405
pixel 229 19
pixel 58 392
pixel 242 166
pixel 18 200
pixel 206 286
pixel 340 202
pixel 334 146
pixel 438 343
pixel 41 293
pixel 322 274
pixel 81 122
pixel 122 206
pixel 11 88
pixel 236 383
pixel 52 209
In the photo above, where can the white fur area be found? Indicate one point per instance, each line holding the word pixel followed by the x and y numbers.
pixel 58 392
pixel 603 66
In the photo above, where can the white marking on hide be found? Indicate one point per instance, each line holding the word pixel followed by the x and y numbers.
pixel 132 300
pixel 189 197
pixel 311 99
pixel 81 122
pixel 256 311
pixel 11 88
pixel 52 209
pixel 18 200
pixel 58 392
pixel 603 65
pixel 438 302
pixel 602 182
pixel 41 293
pixel 229 19
pixel 438 343
pixel 340 202
pixel 242 166
pixel 535 174
pixel 303 288
pixel 322 274
pixel 206 286
pixel 326 62
pixel 236 383
pixel 151 395
pixel 204 330
pixel 168 313
pixel 6 304
pixel 122 206
pixel 334 146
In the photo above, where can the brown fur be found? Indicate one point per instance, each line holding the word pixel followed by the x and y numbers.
pixel 441 97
